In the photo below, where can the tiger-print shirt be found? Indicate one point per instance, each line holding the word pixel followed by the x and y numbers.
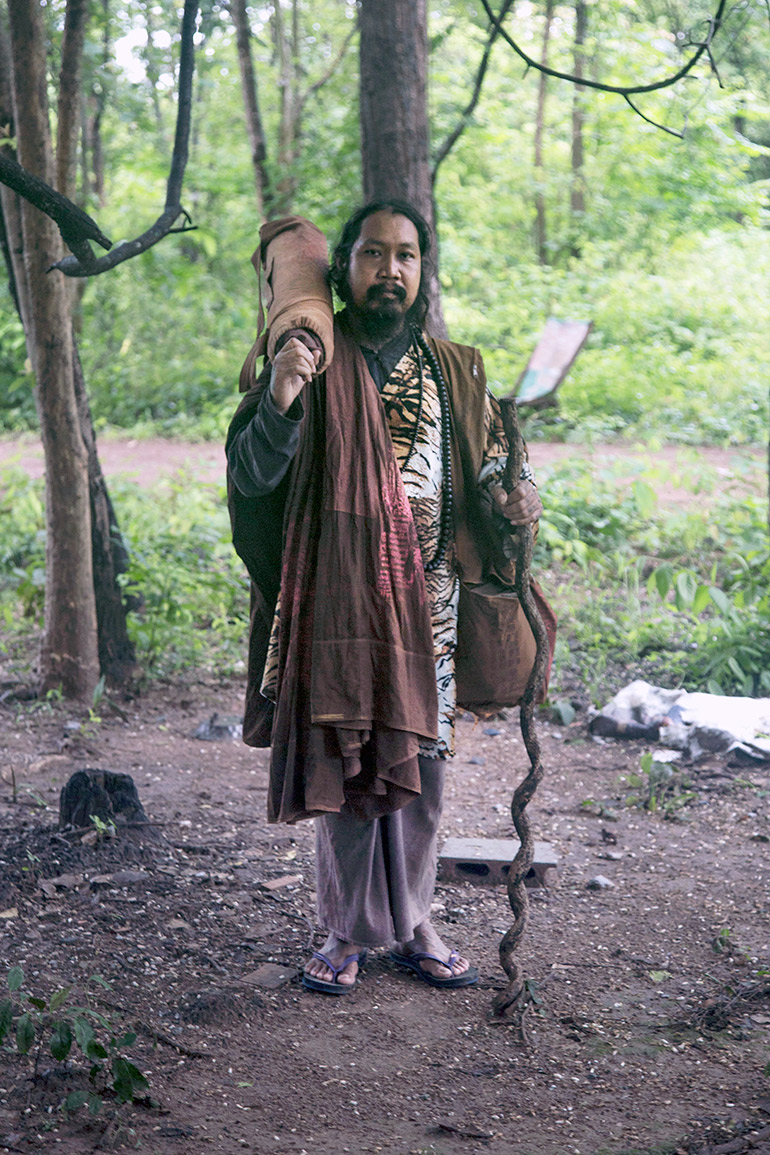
pixel 418 455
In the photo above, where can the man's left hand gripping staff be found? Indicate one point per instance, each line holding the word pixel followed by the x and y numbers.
pixel 522 506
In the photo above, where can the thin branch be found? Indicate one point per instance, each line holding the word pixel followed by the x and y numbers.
pixel 467 113
pixel 80 264
pixel 662 127
pixel 622 90
pixel 314 87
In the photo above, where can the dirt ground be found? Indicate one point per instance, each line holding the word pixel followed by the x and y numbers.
pixel 683 470
pixel 649 1029
pixel 649 1026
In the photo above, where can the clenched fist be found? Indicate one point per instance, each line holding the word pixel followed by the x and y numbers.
pixel 522 506
pixel 292 368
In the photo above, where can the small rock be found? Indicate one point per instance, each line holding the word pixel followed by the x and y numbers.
pixel 11 912
pixel 477 761
pixel 119 878
pixel 600 883
pixel 492 731
pixel 611 855
pixel 284 880
pixel 270 976
pixel 216 729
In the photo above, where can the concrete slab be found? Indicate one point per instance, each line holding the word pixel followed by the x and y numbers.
pixel 487 861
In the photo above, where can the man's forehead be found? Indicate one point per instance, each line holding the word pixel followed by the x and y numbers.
pixel 385 227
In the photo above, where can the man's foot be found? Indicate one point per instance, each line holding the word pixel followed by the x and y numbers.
pixel 335 951
pixel 426 941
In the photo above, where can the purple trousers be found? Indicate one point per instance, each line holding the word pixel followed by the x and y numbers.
pixel 375 880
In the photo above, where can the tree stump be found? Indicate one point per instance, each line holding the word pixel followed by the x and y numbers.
pixel 107 796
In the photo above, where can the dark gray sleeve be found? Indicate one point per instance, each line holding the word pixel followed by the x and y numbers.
pixel 262 452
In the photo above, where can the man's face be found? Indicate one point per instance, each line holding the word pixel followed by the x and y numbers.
pixel 385 266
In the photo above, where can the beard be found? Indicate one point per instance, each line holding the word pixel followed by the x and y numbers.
pixel 382 315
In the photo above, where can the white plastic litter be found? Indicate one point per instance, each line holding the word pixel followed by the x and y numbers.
pixel 697 724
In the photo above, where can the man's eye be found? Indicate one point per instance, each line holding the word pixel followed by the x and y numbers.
pixel 407 256
pixel 372 252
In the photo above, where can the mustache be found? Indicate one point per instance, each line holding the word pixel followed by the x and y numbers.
pixel 376 292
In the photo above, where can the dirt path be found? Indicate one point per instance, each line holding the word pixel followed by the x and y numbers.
pixel 651 1025
pixel 681 472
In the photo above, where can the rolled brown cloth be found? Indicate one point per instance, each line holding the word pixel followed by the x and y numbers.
pixel 292 266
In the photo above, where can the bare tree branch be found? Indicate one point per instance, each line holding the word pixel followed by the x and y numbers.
pixel 83 263
pixel 470 108
pixel 75 226
pixel 305 96
pixel 622 90
pixel 662 127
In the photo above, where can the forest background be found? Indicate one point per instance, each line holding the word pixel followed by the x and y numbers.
pixel 660 240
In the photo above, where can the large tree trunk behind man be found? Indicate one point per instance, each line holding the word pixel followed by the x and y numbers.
pixel 69 656
pixel 394 112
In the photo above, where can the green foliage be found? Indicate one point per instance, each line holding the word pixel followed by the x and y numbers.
pixel 677 598
pixel 659 788
pixel 37 1024
pixel 192 588
pixel 669 257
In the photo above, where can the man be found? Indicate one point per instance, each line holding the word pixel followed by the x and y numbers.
pixel 355 651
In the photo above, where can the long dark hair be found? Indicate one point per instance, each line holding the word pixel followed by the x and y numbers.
pixel 340 263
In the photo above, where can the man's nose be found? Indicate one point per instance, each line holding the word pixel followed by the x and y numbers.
pixel 389 267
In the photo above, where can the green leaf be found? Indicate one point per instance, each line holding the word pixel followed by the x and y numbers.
pixel 128 1040
pixel 95 1050
pixel 60 998
pixel 720 600
pixel 38 1004
pixel 684 590
pixel 701 599
pixel 646 762
pixel 61 1041
pixel 100 982
pixel 664 577
pixel 15 978
pixel 660 976
pixel 127 1080
pixel 94 1104
pixel 75 1100
pixel 6 1017
pixel 563 712
pixel 84 1033
pixel 25 1034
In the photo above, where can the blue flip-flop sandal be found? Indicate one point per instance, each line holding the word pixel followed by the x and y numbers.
pixel 411 962
pixel 311 983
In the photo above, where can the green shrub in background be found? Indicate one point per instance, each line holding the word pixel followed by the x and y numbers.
pixel 678 598
pixel 193 588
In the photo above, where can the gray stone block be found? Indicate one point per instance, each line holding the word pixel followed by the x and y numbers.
pixel 487 861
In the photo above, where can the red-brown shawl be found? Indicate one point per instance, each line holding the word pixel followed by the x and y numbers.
pixel 357 676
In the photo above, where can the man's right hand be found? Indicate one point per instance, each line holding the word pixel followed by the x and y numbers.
pixel 292 368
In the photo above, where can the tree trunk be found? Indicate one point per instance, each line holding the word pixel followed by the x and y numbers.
pixel 541 228
pixel 394 112
pixel 70 86
pixel 69 656
pixel 117 659
pixel 286 186
pixel 251 106
pixel 577 189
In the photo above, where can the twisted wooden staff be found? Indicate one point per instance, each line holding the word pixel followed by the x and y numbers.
pixel 509 1005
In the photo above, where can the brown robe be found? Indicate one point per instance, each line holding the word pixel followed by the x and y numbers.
pixel 258 525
